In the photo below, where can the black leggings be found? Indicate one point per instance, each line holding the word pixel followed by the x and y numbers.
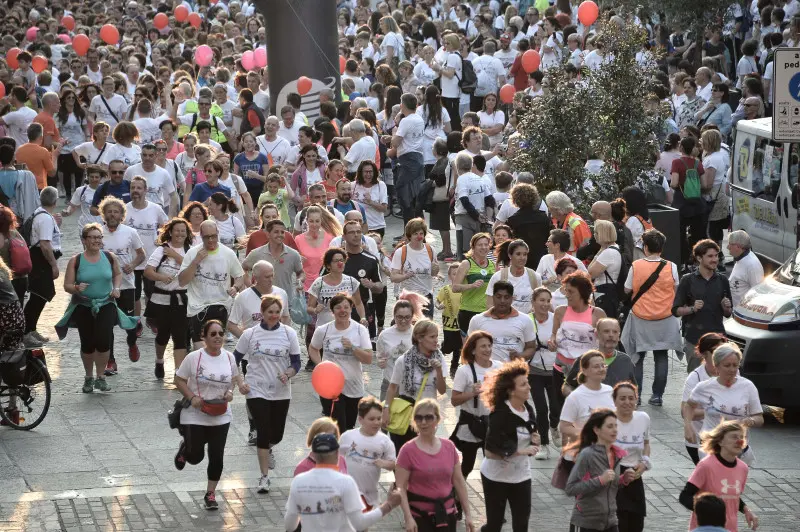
pixel 464 316
pixel 630 521
pixel 380 307
pixel 519 499
pixel 344 411
pixel 196 437
pixel 126 304
pixel 269 418
pixel 95 331
pixel 70 173
pixel 544 392
pixel 452 106
pixel 558 397
pixel 469 452
pixel 693 454
pixel 426 524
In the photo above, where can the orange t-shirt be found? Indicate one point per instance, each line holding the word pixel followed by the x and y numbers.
pixel 38 160
pixel 48 125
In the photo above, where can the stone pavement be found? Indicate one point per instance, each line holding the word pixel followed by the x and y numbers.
pixel 103 462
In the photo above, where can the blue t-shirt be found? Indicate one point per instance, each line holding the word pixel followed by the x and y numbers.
pixel 202 191
pixel 344 208
pixel 256 165
pixel 121 191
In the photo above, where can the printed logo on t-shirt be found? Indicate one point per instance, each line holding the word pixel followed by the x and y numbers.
pixel 210 278
pixel 363 456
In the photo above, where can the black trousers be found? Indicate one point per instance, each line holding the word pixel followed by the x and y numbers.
pixel 380 307
pixel 558 397
pixel 452 105
pixel 544 393
pixel 575 528
pixel 126 304
pixel 426 524
pixel 518 496
pixel 693 454
pixel 196 437
pixel 269 418
pixel 469 452
pixel 344 411
pixel 71 174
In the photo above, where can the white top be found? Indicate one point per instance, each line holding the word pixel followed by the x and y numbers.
pixel 230 230
pixel 747 272
pixel 515 469
pixel 123 242
pixel 360 452
pixel 637 230
pixel 209 377
pixel 543 358
pixel 475 188
pixel 462 382
pixel 117 105
pixel 395 40
pixel 719 161
pixel 160 185
pixel 736 402
pixel 44 227
pixel 432 132
pixel 363 149
pixel 424 73
pixel 71 131
pixel 498 118
pixel 146 223
pixel 700 374
pixel 450 88
pixel 291 133
pixel 169 267
pixel 83 197
pixel 430 385
pixel 18 122
pixel 579 404
pixel 418 261
pixel 523 291
pixel 509 334
pixel 324 292
pixel 211 281
pixel 130 156
pixel 392 343
pixel 377 193
pixel 323 498
pixel 328 338
pixel 630 436
pixel 148 128
pixel 488 70
pixel 278 149
pixel 612 260
pixel 91 153
pixel 246 309
pixel 412 130
pixel 547 269
pixel 267 353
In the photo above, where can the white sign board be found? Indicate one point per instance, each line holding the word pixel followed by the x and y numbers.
pixel 786 95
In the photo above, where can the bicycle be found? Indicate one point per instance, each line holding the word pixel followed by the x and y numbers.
pixel 25 388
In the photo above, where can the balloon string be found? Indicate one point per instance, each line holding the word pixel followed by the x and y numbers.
pixel 333 406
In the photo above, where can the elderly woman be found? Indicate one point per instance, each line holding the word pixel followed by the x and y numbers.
pixel 716 111
pixel 529 222
pixel 716 163
pixel 729 396
pixel 565 218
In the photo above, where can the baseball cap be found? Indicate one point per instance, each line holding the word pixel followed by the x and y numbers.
pixel 324 443
pixel 505 37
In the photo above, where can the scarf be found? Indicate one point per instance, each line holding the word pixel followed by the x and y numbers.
pixel 415 359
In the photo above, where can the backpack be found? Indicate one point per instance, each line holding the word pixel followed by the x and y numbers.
pixel 691 186
pixel 469 80
pixel 531 277
pixel 611 296
pixel 655 193
pixel 404 254
pixel 27 228
pixel 19 256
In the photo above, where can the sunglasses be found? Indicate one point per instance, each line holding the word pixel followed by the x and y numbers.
pixel 212 334
pixel 429 418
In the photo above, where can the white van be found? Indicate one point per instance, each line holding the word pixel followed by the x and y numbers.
pixel 762 177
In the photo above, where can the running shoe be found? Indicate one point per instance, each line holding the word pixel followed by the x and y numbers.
pixel 111 368
pixel 310 366
pixel 543 454
pixel 263 484
pixel 102 385
pixel 555 438
pixel 211 501
pixel 656 401
pixel 88 385
pixel 133 353
pixel 13 415
pixel 159 370
pixel 271 460
pixel 252 437
pixel 29 340
pixel 180 460
pixel 42 338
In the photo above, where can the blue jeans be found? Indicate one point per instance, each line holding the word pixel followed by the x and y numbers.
pixel 661 370
pixel 410 175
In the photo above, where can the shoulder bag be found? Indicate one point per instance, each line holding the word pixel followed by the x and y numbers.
pixel 401 409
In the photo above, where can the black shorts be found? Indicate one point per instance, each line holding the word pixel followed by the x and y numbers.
pixel 140 283
pixel 213 312
pixel 452 342
pixel 171 322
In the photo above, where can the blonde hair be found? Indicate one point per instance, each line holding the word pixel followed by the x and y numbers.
pixel 426 404
pixel 319 426
pixel 422 328
pixel 605 232
pixel 391 23
pixel 453 41
pixel 712 140
pixel 712 439
pixel 329 222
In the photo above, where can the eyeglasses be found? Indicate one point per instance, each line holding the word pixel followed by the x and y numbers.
pixel 399 317
pixel 428 418
pixel 212 334
pixel 161 149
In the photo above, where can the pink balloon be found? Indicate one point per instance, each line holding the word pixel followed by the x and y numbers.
pixel 260 55
pixel 31 34
pixel 248 60
pixel 204 55
pixel 66 39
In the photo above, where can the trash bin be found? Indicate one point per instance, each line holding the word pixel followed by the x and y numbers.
pixel 668 221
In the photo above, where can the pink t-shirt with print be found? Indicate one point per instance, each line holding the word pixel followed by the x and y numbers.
pixel 727 483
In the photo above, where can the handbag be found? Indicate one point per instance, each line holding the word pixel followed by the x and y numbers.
pixel 561 474
pixel 477 425
pixel 211 407
pixel 401 409
pixel 298 309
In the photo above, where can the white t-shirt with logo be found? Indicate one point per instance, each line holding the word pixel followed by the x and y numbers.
pixel 146 223
pixel 377 193
pixel 473 187
pixel 268 355
pixel 412 130
pixel 246 309
pixel 230 231
pixel 83 197
pixel 116 105
pixel 322 498
pixel 523 291
pixel 360 452
pixel 631 437
pixel 212 279
pixel 450 88
pixel 208 377
pixel 129 155
pixel 515 469
pixel 510 334
pixel 392 344
pixel 324 292
pixel 169 267
pixel 160 185
pixel 328 338
pixel 363 149
pixel 419 262
pixel 430 385
pixel 579 404
pixel 123 242
pixel 720 402
pixel 462 382
pixel 700 374
pixel 547 269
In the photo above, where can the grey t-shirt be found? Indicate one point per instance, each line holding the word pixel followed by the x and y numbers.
pixel 285 265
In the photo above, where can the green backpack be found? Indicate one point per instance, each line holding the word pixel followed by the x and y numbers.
pixel 691 186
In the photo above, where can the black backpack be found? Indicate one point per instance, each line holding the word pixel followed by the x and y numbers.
pixel 468 81
pixel 611 296
pixel 27 227
pixel 425 194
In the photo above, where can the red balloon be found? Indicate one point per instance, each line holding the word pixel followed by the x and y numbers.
pixel 507 93
pixel 303 85
pixel 110 34
pixel 2 90
pixel 11 58
pixel 181 13
pixel 38 64
pixel 68 22
pixel 531 61
pixel 81 44
pixel 195 20
pixel 588 12
pixel 327 380
pixel 161 21
pixel 342 64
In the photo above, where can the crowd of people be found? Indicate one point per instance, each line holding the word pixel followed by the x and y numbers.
pixel 207 215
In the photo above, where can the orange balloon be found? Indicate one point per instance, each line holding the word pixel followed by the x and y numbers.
pixel 81 44
pixel 11 58
pixel 110 34
pixel 38 64
pixel 181 13
pixel 531 61
pixel 507 93
pixel 588 12
pixel 2 90
pixel 195 20
pixel 342 64
pixel 303 85
pixel 68 22
pixel 161 21
pixel 327 380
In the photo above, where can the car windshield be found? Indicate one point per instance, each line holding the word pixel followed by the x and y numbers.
pixel 789 273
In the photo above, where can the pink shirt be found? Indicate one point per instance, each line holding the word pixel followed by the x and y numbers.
pixel 177 148
pixel 308 464
pixel 312 257
pixel 727 483
pixel 430 475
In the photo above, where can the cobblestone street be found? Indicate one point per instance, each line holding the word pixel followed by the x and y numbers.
pixel 104 461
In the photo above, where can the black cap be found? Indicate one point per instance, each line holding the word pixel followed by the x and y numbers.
pixel 324 443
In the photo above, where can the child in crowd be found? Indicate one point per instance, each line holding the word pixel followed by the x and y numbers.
pixel 278 193
pixel 367 450
pixel 323 425
pixel 448 302
pixel 502 181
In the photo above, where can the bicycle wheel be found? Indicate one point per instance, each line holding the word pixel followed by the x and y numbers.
pixel 25 407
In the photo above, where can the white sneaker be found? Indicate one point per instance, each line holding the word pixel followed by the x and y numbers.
pixel 543 454
pixel 555 438
pixel 271 460
pixel 263 484
pixel 252 437
pixel 42 338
